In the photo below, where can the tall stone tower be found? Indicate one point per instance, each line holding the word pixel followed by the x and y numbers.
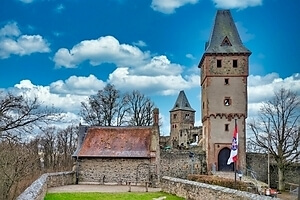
pixel 182 118
pixel 224 71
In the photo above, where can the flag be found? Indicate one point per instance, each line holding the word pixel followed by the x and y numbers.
pixel 234 147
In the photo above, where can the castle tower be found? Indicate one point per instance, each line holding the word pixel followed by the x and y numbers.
pixel 224 71
pixel 182 118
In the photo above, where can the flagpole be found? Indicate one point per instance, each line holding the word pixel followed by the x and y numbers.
pixel 234 167
pixel 234 163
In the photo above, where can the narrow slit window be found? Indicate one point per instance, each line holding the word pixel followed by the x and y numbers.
pixel 235 63
pixel 219 63
pixel 226 127
pixel 226 81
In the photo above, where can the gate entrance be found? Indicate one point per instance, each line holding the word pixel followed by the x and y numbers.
pixel 222 160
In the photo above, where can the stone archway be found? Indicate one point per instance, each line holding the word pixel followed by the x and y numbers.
pixel 222 160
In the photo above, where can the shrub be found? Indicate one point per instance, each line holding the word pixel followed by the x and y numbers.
pixel 215 180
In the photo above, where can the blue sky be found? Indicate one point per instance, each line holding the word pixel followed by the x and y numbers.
pixel 64 51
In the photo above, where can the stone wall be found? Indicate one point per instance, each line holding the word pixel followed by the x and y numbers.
pixel 197 191
pixel 179 164
pixel 37 190
pixel 115 170
pixel 258 163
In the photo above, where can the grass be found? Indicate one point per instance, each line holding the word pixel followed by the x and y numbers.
pixel 110 196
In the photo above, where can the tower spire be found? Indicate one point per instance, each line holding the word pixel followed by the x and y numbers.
pixel 182 103
pixel 224 37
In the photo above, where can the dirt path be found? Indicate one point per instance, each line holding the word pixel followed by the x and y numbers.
pixel 100 188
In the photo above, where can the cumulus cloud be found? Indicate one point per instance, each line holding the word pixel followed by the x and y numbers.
pixel 78 85
pixel 169 6
pixel 262 88
pixel 140 43
pixel 10 29
pixel 159 65
pixel 231 4
pixel 66 102
pixel 12 42
pixel 160 84
pixel 102 50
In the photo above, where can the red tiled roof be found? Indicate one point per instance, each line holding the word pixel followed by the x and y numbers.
pixel 116 142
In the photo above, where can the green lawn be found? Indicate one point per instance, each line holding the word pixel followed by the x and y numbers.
pixel 110 196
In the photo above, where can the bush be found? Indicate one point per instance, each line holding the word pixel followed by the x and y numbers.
pixel 215 180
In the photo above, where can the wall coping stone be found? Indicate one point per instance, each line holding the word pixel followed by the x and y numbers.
pixel 171 181
pixel 37 190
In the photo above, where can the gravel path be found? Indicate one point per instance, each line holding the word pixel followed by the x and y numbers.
pixel 100 188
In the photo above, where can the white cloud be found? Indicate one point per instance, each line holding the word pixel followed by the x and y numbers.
pixel 160 84
pixel 10 29
pixel 159 65
pixel 169 6
pixel 102 50
pixel 65 102
pixel 77 85
pixel 12 42
pixel 240 4
pixel 262 88
pixel 190 56
pixel 140 43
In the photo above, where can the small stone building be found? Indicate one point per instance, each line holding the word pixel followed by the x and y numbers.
pixel 118 154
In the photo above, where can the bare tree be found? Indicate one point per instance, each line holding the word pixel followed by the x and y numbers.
pixel 67 141
pixel 140 109
pixel 109 107
pixel 101 108
pixel 122 111
pixel 277 130
pixel 17 162
pixel 19 115
pixel 48 147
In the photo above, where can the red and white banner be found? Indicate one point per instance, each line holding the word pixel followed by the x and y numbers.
pixel 234 147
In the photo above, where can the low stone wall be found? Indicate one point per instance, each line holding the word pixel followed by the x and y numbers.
pixel 196 191
pixel 37 190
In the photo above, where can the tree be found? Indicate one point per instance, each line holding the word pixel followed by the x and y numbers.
pixel 67 142
pixel 140 109
pixel 19 115
pixel 17 162
pixel 109 107
pixel 101 108
pixel 277 130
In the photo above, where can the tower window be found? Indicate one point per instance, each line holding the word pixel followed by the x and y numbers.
pixel 219 63
pixel 227 101
pixel 226 81
pixel 234 63
pixel 187 116
pixel 226 127
pixel 174 116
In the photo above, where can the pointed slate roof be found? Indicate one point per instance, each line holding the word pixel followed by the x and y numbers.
pixel 182 103
pixel 225 37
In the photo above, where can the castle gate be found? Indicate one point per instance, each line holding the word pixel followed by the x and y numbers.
pixel 222 160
